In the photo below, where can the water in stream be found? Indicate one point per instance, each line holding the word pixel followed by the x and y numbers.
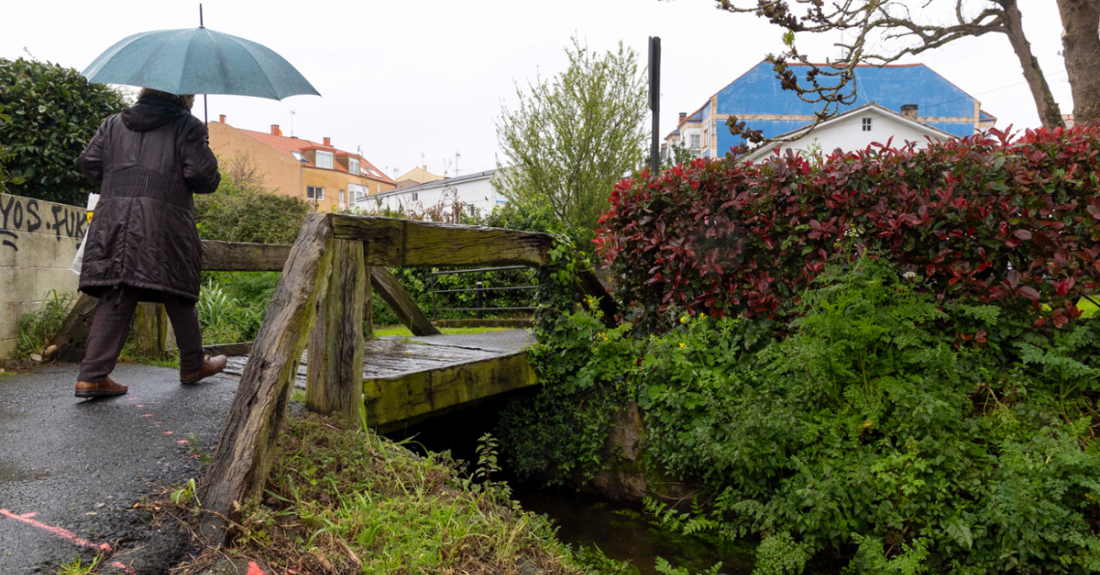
pixel 619 529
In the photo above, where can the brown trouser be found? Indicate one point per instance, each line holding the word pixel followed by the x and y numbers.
pixel 111 326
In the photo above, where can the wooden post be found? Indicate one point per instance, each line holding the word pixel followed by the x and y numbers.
pixel 399 300
pixel 245 450
pixel 368 304
pixel 150 329
pixel 334 379
pixel 73 335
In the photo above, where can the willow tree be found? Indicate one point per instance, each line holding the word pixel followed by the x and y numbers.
pixel 879 32
pixel 570 138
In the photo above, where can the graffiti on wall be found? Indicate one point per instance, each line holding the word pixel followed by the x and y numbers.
pixel 27 215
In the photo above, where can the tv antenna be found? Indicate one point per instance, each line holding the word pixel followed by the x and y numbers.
pixel 457 156
pixel 292 123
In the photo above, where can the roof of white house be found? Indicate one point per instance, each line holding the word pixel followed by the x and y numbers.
pixel 841 119
pixel 446 182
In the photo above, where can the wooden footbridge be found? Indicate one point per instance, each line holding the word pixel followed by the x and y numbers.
pixel 321 300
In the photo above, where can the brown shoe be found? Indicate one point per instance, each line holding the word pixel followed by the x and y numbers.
pixel 105 388
pixel 210 366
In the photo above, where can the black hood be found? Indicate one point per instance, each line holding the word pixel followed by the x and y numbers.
pixel 152 112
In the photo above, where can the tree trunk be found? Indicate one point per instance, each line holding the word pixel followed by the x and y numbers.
pixel 1081 43
pixel 1049 112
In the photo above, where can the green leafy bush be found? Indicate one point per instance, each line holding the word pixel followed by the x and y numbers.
pixel 49 114
pixel 36 327
pixel 227 319
pixel 872 431
pixel 243 210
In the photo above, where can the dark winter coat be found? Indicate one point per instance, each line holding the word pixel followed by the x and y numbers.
pixel 147 160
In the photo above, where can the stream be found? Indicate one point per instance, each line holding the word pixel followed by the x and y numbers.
pixel 620 529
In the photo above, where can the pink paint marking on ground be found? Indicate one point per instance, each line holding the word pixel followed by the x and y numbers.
pixel 168 432
pixel 254 569
pixel 182 441
pixel 62 533
pixel 147 415
pixel 158 422
pixel 123 568
pixel 28 515
pixel 139 406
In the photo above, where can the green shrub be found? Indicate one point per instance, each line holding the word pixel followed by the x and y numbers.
pixel 226 319
pixel 872 427
pixel 244 210
pixel 37 327
pixel 49 114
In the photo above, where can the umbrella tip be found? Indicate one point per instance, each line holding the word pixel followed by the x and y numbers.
pixel 200 17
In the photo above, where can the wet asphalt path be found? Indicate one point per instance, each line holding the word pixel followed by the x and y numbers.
pixel 71 470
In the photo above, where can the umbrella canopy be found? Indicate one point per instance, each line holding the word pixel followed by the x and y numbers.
pixel 198 61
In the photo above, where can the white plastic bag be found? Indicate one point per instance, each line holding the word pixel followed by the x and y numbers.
pixel 93 199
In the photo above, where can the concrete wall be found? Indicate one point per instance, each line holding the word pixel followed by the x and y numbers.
pixel 38 241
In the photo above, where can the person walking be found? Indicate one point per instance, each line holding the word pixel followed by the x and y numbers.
pixel 142 244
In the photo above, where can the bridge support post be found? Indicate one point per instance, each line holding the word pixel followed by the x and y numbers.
pixel 334 379
pixel 246 448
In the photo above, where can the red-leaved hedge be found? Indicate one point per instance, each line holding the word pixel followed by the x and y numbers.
pixel 981 219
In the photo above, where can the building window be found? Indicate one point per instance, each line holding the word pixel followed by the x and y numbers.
pixel 353 166
pixel 298 156
pixel 706 136
pixel 867 124
pixel 315 193
pixel 324 160
pixel 341 198
pixel 695 141
pixel 415 195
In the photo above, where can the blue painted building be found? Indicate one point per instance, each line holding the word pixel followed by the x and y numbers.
pixel 757 98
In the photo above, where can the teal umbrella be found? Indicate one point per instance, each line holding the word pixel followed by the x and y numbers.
pixel 198 61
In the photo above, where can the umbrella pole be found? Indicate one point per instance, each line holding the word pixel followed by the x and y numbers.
pixel 205 107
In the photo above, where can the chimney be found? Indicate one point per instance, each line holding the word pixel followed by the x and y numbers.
pixel 275 130
pixel 328 141
pixel 909 111
pixel 221 118
pixel 683 116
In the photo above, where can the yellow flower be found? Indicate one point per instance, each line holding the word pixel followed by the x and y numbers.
pixel 682 344
pixel 685 319
pixel 867 424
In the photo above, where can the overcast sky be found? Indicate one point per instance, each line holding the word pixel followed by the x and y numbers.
pixel 404 78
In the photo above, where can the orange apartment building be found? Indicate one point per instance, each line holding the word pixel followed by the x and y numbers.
pixel 327 177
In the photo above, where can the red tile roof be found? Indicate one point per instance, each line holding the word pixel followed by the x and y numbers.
pixel 288 145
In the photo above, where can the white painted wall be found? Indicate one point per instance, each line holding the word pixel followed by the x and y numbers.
pixel 847 134
pixel 477 192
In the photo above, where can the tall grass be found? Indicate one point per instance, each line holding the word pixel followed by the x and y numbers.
pixel 37 327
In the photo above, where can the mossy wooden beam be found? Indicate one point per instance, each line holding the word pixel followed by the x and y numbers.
pixel 73 335
pixel 334 377
pixel 590 285
pixel 243 257
pixel 150 330
pixel 393 401
pixel 402 304
pixel 397 242
pixel 245 450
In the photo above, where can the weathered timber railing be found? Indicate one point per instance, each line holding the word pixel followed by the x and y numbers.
pixel 151 322
pixel 323 278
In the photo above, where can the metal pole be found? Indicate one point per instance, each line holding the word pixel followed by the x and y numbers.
pixel 479 301
pixel 205 106
pixel 655 103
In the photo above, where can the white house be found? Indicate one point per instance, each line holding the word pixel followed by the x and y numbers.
pixel 855 130
pixel 475 192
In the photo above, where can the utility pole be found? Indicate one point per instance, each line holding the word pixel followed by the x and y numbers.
pixel 655 103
